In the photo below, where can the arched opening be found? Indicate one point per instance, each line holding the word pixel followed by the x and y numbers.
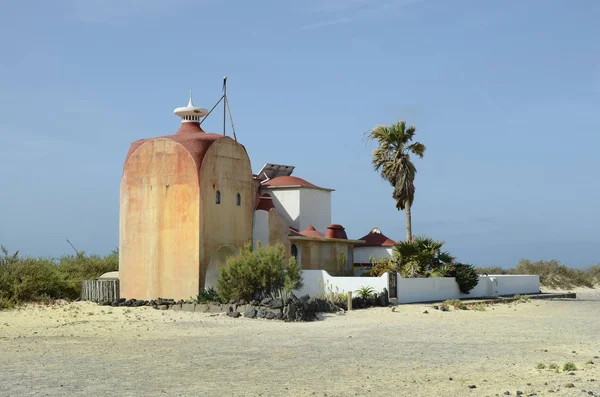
pixel 218 258
pixel 238 199
pixel 218 197
pixel 295 251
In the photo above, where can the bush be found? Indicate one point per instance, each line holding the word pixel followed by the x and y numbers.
pixel 258 274
pixel 365 293
pixel 24 279
pixel 465 275
pixel 208 295
pixel 569 367
pixel 419 257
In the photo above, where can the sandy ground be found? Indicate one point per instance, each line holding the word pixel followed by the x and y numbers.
pixel 81 349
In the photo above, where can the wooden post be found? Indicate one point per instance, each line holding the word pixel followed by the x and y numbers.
pixel 349 300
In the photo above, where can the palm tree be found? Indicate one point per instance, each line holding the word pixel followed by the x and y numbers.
pixel 392 159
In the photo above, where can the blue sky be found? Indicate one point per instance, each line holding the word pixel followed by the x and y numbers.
pixel 505 94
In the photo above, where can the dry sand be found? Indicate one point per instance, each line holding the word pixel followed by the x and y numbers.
pixel 88 350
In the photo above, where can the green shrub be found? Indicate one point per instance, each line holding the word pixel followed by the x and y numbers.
pixel 256 274
pixel 553 366
pixel 365 292
pixel 466 277
pixel 540 366
pixel 24 279
pixel 570 367
pixel 208 295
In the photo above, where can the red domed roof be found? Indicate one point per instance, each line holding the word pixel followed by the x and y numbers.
pixel 376 239
pixel 289 181
pixel 312 232
pixel 192 138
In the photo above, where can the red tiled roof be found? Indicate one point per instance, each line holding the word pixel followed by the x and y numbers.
pixel 312 232
pixel 375 239
pixel 289 181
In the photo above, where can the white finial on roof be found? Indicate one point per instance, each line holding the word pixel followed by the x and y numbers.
pixel 190 103
pixel 190 113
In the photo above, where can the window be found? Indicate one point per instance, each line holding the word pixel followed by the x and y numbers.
pixel 238 199
pixel 295 251
pixel 218 198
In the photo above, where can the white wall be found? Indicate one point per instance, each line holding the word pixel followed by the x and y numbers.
pixel 315 209
pixel 411 290
pixel 287 203
pixel 260 228
pixel 318 282
pixel 362 254
pixel 517 284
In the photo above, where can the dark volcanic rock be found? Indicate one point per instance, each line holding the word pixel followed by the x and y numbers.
pixel 234 314
pixel 250 312
pixel 270 315
pixel 276 304
pixel 266 301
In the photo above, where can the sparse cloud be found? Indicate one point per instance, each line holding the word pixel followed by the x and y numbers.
pixel 349 11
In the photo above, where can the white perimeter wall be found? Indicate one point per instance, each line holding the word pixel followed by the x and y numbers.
pixel 362 254
pixel 287 203
pixel 260 228
pixel 315 209
pixel 412 290
pixel 318 282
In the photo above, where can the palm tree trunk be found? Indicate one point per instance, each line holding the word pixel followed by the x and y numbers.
pixel 408 221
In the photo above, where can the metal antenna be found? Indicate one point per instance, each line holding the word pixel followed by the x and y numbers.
pixel 224 103
pixel 77 252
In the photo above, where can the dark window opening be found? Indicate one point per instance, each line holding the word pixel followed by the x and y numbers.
pixel 295 251
pixel 238 199
pixel 218 198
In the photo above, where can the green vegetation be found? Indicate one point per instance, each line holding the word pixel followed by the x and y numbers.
pixel 540 366
pixel 456 303
pixel 552 273
pixel 554 367
pixel 418 257
pixel 25 279
pixel 423 257
pixel 466 276
pixel 365 293
pixel 208 295
pixel 257 274
pixel 392 160
pixel 569 367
